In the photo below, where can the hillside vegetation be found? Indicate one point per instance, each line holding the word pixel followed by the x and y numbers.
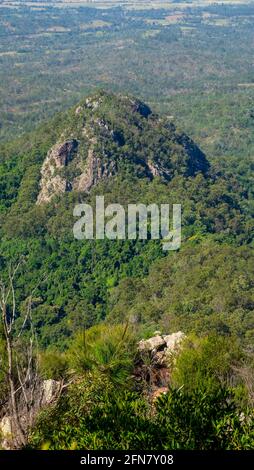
pixel 91 301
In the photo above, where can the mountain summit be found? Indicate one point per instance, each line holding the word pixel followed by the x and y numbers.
pixel 108 133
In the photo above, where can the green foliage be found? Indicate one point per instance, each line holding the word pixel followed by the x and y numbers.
pixel 108 350
pixel 203 420
pixel 96 415
pixel 207 363
pixel 53 364
pixel 205 287
pixel 85 282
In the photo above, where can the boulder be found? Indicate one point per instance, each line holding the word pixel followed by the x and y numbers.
pixel 161 343
pixel 50 390
pixel 173 341
pixel 152 344
pixel 5 433
pixel 159 349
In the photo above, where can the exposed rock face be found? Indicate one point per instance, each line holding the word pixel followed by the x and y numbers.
pixel 107 133
pixel 93 102
pixel 160 347
pixel 57 158
pixel 154 364
pixel 173 341
pixel 95 170
pixel 50 389
pixel 46 392
pixel 153 169
pixel 5 433
pixel 152 344
pixel 62 154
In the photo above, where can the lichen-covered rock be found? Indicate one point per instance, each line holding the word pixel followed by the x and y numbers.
pixel 50 390
pixel 174 340
pixel 6 436
pixel 152 344
pixel 161 347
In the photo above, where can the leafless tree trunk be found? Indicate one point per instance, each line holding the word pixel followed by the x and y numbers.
pixel 21 375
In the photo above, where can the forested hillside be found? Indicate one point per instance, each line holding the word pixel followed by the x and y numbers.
pixel 82 277
pixel 118 292
pixel 119 344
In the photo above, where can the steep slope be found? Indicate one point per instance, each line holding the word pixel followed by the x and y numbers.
pixel 114 145
pixel 107 133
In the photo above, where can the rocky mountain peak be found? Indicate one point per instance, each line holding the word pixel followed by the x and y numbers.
pixel 106 133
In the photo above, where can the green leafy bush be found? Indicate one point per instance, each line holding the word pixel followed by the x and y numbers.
pixel 106 349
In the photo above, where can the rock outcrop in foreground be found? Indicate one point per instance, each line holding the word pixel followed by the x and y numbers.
pixel 108 133
pixel 47 392
pixel 155 361
pixel 152 372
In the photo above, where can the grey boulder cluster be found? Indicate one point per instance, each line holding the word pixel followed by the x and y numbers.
pixel 156 357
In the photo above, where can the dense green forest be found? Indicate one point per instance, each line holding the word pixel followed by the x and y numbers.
pixel 206 288
pixel 75 311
